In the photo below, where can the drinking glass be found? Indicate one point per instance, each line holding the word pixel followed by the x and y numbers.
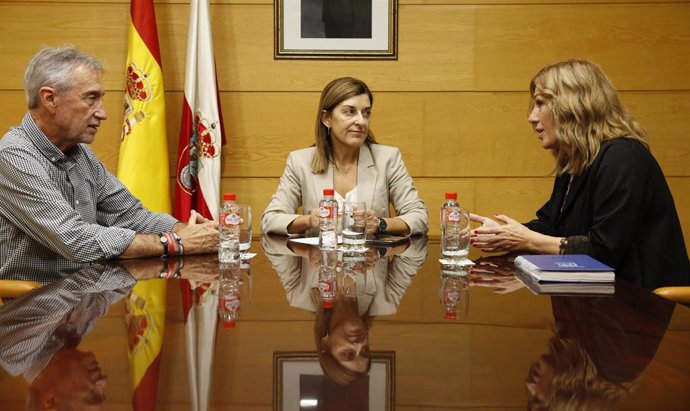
pixel 245 212
pixel 354 227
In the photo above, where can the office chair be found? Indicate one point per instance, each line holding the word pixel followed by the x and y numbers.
pixel 677 294
pixel 16 288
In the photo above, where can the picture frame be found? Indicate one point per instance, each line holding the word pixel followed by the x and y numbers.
pixel 299 382
pixel 346 29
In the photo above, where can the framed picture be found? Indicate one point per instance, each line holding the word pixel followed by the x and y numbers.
pixel 336 29
pixel 299 383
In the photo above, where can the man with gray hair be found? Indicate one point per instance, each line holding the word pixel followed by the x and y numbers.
pixel 58 202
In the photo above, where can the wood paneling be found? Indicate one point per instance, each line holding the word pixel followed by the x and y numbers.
pixel 440 134
pixel 441 47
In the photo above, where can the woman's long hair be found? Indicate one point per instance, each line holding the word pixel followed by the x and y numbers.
pixel 333 94
pixel 586 111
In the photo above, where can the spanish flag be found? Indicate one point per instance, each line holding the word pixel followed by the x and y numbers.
pixel 143 168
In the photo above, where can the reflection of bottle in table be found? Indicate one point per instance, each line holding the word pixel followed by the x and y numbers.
pixel 328 283
pixel 454 290
pixel 229 294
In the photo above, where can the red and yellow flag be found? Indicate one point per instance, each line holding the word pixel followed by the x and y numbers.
pixel 143 168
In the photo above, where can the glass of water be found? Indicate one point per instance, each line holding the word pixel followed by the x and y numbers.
pixel 245 212
pixel 354 227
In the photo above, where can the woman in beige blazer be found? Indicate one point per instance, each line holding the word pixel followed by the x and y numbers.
pixel 346 158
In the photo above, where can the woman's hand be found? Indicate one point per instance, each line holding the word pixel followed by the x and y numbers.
pixel 372 223
pixel 505 234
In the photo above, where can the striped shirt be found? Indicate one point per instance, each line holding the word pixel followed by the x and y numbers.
pixel 34 327
pixel 57 208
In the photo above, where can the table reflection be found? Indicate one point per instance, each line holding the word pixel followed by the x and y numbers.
pixel 599 348
pixel 346 291
pixel 40 335
pixel 199 335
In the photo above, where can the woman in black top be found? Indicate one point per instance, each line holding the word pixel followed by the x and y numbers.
pixel 610 199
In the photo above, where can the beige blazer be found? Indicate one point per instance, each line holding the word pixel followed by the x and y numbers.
pixel 382 180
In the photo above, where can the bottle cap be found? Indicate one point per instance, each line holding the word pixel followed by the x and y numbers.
pixel 229 324
pixel 328 191
pixel 450 315
pixel 229 196
pixel 327 303
pixel 451 195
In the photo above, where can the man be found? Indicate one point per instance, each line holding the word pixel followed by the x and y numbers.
pixel 58 203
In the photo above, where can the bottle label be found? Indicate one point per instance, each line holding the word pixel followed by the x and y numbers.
pixel 325 212
pixel 452 297
pixel 453 216
pixel 231 219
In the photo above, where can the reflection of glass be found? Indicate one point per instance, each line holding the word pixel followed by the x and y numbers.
pixel 353 268
pixel 245 212
pixel 454 291
pixel 354 227
pixel 455 226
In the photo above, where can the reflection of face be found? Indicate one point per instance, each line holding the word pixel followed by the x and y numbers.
pixel 348 343
pixel 349 122
pixel 79 109
pixel 76 380
pixel 539 379
pixel 541 119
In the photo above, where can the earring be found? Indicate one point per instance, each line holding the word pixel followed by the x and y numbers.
pixel 328 131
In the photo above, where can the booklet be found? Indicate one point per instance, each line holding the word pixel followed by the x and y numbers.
pixel 562 288
pixel 565 268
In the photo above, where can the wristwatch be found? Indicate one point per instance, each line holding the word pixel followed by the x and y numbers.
pixel 382 225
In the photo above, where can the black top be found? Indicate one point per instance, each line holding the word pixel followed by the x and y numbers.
pixel 621 212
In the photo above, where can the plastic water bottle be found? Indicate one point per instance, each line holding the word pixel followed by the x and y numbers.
pixel 229 229
pixel 229 294
pixel 453 246
pixel 328 219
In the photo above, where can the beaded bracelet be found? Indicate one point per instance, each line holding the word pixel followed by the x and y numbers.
pixel 562 246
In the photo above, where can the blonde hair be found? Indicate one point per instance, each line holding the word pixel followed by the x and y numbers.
pixel 333 94
pixel 577 384
pixel 586 111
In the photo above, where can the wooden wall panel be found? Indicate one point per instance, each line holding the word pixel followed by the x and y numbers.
pixel 440 134
pixel 628 41
pixel 642 46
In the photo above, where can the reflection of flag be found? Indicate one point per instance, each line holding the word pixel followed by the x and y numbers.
pixel 200 306
pixel 201 132
pixel 145 325
pixel 143 168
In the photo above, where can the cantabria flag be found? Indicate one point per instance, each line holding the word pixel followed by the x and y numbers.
pixel 143 168
pixel 201 133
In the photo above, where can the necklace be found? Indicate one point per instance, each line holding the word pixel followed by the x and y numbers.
pixel 343 170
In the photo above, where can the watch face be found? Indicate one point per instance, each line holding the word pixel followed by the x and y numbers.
pixel 382 225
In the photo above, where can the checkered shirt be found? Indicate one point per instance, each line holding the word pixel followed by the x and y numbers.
pixel 57 208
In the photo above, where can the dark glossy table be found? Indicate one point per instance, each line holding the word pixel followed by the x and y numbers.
pixel 506 348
